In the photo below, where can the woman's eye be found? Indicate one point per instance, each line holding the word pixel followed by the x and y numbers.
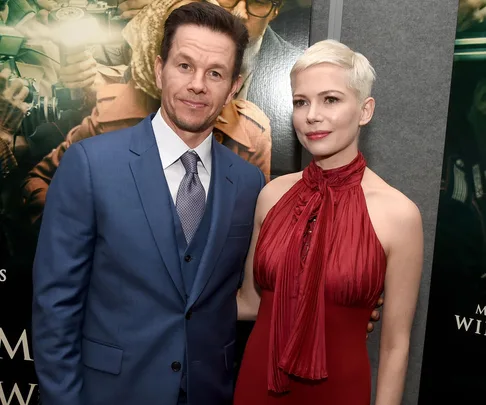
pixel 331 100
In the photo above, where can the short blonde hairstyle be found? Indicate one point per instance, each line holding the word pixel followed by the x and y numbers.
pixel 361 73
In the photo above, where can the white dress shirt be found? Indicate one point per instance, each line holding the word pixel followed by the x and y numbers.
pixel 172 147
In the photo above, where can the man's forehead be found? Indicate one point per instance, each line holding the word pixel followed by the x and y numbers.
pixel 203 41
pixel 201 33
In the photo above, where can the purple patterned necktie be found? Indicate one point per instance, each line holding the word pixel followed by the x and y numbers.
pixel 191 197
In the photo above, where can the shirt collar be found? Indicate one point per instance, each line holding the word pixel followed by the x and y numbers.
pixel 172 147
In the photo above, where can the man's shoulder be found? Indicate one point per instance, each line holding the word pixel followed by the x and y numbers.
pixel 274 43
pixel 119 138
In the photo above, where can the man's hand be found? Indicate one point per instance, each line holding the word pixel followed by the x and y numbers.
pixel 375 316
pixel 47 4
pixel 45 7
pixel 130 8
pixel 12 111
pixel 34 29
pixel 12 105
pixel 21 145
pixel 79 71
pixel 15 92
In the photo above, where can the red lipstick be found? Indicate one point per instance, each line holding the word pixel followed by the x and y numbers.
pixel 316 135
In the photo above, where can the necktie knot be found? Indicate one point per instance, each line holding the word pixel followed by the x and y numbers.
pixel 189 161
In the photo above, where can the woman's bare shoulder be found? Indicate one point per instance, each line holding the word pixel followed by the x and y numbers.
pixel 392 203
pixel 274 191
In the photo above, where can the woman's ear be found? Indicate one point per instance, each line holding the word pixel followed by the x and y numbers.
pixel 367 111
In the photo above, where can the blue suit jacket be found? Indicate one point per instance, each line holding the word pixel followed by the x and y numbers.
pixel 111 320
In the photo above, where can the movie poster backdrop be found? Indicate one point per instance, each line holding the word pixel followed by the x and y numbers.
pixel 63 61
pixel 453 369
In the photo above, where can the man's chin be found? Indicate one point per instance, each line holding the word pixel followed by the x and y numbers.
pixel 194 127
pixel 253 40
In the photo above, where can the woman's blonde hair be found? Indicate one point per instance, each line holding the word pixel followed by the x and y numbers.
pixel 361 73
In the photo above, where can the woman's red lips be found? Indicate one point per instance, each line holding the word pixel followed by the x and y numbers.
pixel 317 134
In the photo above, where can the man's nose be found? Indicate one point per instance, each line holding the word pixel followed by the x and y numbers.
pixel 198 83
pixel 239 10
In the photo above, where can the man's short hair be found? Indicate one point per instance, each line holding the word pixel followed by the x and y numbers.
pixel 213 17
pixel 360 72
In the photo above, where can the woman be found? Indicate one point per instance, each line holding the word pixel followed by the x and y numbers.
pixel 327 242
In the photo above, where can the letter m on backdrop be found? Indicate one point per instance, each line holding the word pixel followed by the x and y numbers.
pixel 481 311
pixel 21 342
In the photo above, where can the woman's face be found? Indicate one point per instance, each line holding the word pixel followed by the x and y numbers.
pixel 327 114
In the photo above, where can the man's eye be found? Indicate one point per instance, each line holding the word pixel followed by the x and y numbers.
pixel 184 66
pixel 215 74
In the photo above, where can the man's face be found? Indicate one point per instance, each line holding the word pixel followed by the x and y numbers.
pixel 196 80
pixel 256 26
pixel 4 14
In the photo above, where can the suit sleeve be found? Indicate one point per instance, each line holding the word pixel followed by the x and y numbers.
pixel 61 274
pixel 262 183
pixel 263 180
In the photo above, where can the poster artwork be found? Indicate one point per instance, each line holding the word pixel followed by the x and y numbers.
pixel 74 69
pixel 453 369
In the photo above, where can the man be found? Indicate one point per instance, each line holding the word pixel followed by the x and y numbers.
pixel 241 126
pixel 265 72
pixel 144 236
pixel 266 78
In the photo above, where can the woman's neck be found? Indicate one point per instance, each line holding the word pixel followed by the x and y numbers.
pixel 337 160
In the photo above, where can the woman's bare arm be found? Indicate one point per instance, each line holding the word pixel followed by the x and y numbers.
pixel 402 282
pixel 248 297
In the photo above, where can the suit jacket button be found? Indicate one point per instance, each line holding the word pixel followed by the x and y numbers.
pixel 189 314
pixel 176 366
pixel 188 258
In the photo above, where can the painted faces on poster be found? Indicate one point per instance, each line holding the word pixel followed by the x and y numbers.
pixel 196 81
pixel 327 113
pixel 256 25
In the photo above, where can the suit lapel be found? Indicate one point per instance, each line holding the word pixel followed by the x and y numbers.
pixel 224 189
pixel 155 196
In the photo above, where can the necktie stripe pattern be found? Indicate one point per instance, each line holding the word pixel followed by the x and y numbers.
pixel 191 197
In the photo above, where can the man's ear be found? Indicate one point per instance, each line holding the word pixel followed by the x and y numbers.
pixel 235 87
pixel 158 67
pixel 275 14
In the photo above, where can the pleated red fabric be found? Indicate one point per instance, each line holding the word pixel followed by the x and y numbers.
pixel 316 246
